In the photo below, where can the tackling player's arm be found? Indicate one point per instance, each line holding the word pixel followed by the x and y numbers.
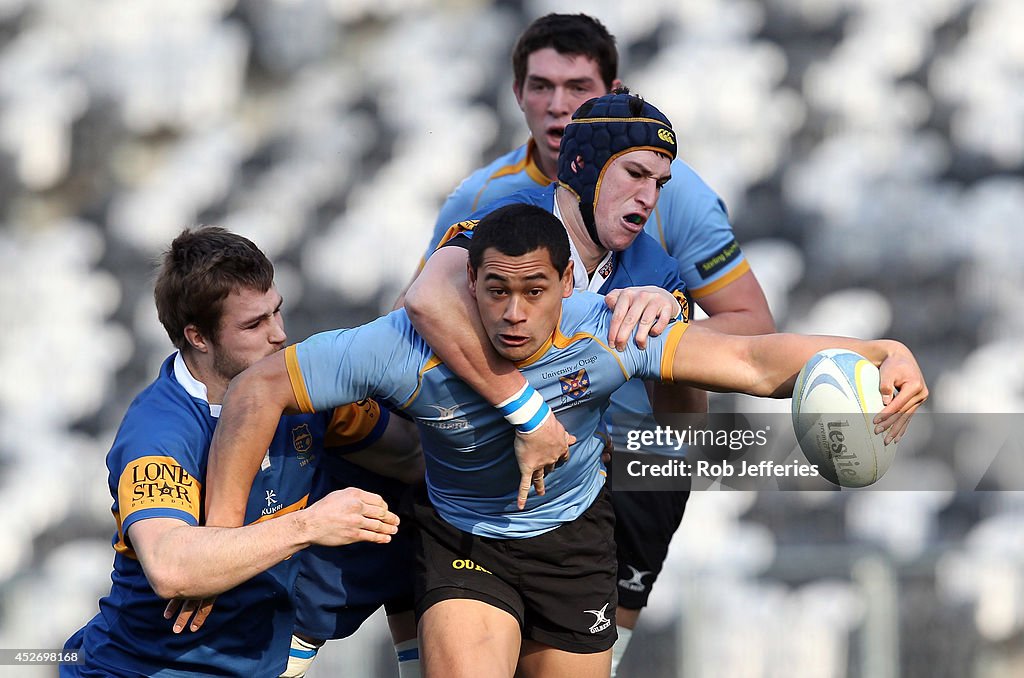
pixel 767 365
pixel 699 236
pixel 258 396
pixel 252 408
pixel 738 308
pixel 444 313
pixel 459 202
pixel 187 561
pixel 639 312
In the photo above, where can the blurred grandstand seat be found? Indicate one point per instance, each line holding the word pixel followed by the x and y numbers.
pixel 884 138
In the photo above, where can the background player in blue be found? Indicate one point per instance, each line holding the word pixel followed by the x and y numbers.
pixel 559 62
pixel 505 589
pixel 216 298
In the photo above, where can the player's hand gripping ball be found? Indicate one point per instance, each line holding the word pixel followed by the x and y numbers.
pixel 835 399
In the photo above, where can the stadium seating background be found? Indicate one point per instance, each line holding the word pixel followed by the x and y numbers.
pixel 884 141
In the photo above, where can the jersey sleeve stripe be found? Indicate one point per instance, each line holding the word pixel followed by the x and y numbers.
pixel 741 268
pixel 675 333
pixel 122 547
pixel 431 364
pixel 357 426
pixel 291 508
pixel 456 230
pixel 298 383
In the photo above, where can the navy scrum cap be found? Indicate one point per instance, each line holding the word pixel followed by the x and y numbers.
pixel 600 131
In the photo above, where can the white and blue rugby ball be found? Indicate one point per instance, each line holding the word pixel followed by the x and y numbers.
pixel 834 401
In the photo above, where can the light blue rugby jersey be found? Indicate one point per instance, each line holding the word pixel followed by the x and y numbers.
pixel 690 222
pixel 472 475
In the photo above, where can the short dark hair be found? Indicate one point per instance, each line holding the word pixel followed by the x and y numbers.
pixel 197 273
pixel 567 34
pixel 518 229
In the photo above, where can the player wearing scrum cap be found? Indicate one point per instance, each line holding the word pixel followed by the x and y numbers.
pixel 559 62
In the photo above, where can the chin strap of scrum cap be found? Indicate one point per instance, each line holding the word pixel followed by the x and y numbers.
pixel 600 131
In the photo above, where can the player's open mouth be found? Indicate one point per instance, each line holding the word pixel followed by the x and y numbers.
pixel 637 220
pixel 555 135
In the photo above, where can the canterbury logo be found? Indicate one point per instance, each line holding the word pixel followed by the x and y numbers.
pixel 666 136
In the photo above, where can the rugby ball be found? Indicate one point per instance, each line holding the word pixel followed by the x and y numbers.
pixel 834 401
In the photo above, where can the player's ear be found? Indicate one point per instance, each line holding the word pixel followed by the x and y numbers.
pixel 517 90
pixel 195 339
pixel 471 277
pixel 616 84
pixel 567 280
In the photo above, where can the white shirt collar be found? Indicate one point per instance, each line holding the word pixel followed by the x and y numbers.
pixel 580 280
pixel 192 386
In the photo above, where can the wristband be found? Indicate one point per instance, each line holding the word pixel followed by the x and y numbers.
pixel 526 410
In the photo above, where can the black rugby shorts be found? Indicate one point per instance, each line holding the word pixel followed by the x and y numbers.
pixel 559 586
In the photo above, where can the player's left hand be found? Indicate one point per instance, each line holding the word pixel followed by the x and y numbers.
pixel 537 453
pixel 181 609
pixel 646 309
pixel 903 389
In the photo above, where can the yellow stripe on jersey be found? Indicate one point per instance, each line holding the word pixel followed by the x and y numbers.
pixel 527 165
pixel 352 423
pixel 675 333
pixel 457 229
pixel 121 546
pixel 299 390
pixel 431 363
pixel 722 282
pixel 300 504
pixel 157 482
pixel 536 355
pixel 560 341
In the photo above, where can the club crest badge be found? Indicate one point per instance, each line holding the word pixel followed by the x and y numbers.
pixel 575 385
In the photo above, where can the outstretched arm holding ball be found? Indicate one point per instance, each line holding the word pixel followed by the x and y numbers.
pixel 767 365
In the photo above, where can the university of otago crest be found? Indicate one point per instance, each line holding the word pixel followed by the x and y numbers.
pixel 575 385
